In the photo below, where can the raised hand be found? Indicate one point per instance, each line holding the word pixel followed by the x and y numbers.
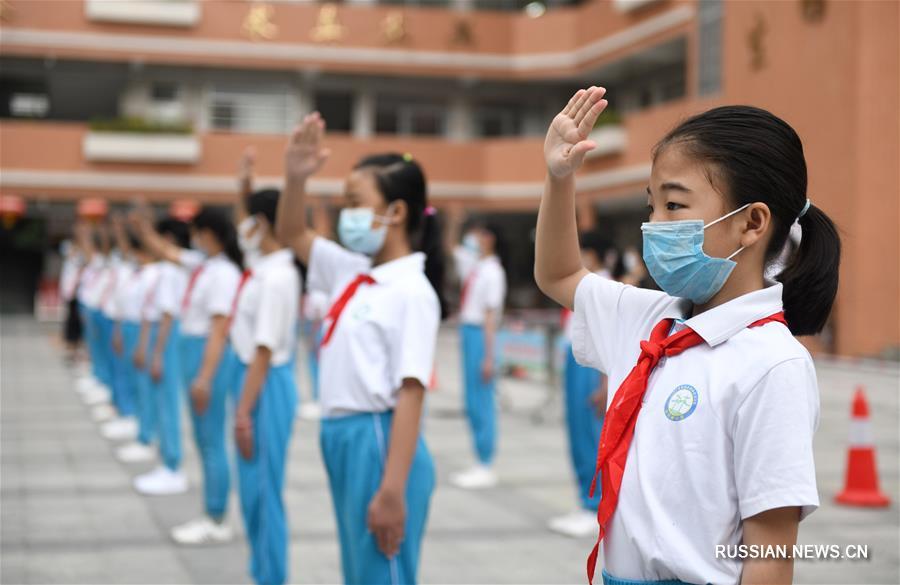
pixel 566 142
pixel 248 162
pixel 305 154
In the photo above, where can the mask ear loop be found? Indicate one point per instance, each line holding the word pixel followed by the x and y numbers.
pixel 726 216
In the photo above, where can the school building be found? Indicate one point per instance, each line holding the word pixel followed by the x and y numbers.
pixel 160 97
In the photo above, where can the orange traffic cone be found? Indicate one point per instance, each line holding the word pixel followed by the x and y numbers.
pixel 861 483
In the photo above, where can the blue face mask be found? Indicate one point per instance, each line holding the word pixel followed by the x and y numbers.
pixel 673 253
pixel 470 243
pixel 356 232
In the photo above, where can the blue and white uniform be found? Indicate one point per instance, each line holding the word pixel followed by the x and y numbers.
pixel 386 334
pixel 210 292
pixel 583 425
pixel 267 316
pixel 167 392
pixel 483 290
pixel 124 391
pixel 725 431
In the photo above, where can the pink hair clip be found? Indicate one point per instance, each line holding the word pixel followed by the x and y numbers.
pixel 430 210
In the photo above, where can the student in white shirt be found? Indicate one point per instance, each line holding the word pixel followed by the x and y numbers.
pixel 158 361
pixel 584 397
pixel 724 398
pixel 215 273
pixel 96 389
pixel 264 335
pixel 483 294
pixel 377 351
pixel 72 266
pixel 130 301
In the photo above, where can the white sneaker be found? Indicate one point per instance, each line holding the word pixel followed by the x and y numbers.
pixel 202 531
pixel 135 453
pixel 120 429
pixel 478 477
pixel 578 524
pixel 103 413
pixel 162 481
pixel 310 411
pixel 95 396
pixel 84 384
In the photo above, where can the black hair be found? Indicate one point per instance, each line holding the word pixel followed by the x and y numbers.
pixel 758 157
pixel 595 242
pixel 400 177
pixel 264 202
pixel 217 222
pixel 177 229
pixel 134 242
pixel 500 249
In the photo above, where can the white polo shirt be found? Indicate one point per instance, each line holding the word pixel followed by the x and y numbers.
pixel 486 288
pixel 386 333
pixel 120 272
pixel 212 293
pixel 267 309
pixel 137 293
pixel 168 293
pixel 567 326
pixel 90 280
pixel 725 430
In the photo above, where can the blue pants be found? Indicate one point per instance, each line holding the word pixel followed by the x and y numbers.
pixel 209 427
pixel 313 358
pixel 261 479
pixel 91 338
pixel 146 400
pixel 480 402
pixel 125 375
pixel 167 396
pixel 583 426
pixel 355 450
pixel 610 580
pixel 105 349
pixel 101 346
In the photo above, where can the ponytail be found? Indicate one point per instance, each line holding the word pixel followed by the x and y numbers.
pixel 220 225
pixel 432 245
pixel 810 278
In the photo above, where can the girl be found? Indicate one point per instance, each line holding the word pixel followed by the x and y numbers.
pixel 161 365
pixel 263 335
pixel 481 308
pixel 708 439
pixel 215 271
pixel 377 351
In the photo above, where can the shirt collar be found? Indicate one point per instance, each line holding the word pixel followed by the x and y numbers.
pixel 282 257
pixel 390 271
pixel 721 323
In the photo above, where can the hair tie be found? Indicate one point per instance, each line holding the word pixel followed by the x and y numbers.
pixel 804 210
pixel 407 157
pixel 429 211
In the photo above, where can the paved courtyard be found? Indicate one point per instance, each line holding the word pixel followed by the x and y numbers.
pixel 69 514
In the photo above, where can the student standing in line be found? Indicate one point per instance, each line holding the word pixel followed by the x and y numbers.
pixel 159 361
pixel 482 297
pixel 263 335
pixel 708 439
pixel 215 273
pixel 377 351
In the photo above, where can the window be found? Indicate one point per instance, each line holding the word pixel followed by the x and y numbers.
pixel 409 116
pixel 266 109
pixel 337 108
pixel 497 120
pixel 162 91
pixel 710 46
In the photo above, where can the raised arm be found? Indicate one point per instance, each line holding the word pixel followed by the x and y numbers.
pixel 141 219
pixel 118 230
pixel 303 157
pixel 557 261
pixel 245 183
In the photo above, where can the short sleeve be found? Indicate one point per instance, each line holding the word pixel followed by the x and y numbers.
pixel 171 289
pixel 495 290
pixel 330 263
pixel 773 441
pixel 273 324
pixel 222 290
pixel 413 345
pixel 610 315
pixel 465 261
